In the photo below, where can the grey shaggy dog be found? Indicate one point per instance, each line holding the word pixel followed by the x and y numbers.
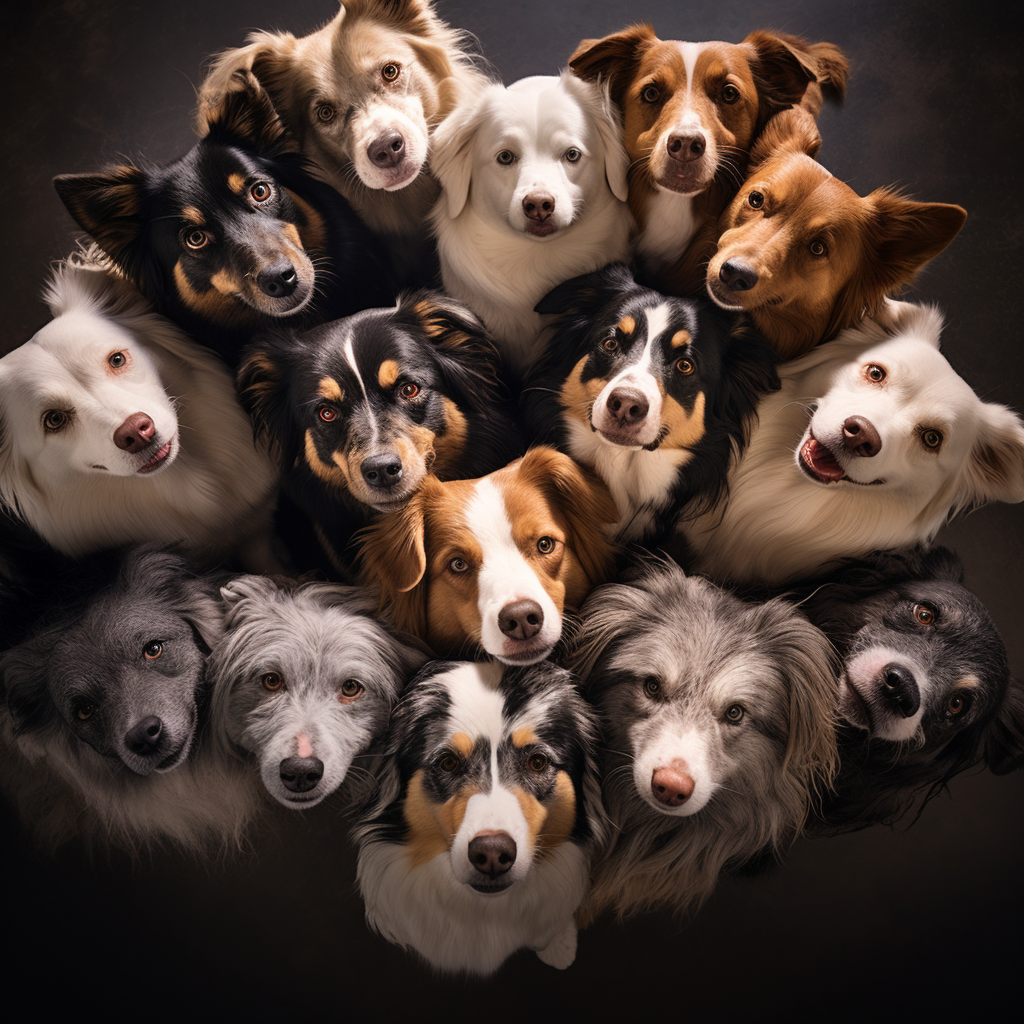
pixel 101 729
pixel 718 721
pixel 305 679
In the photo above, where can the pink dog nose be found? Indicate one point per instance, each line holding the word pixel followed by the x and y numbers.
pixel 860 437
pixel 686 146
pixel 672 785
pixel 135 433
pixel 539 206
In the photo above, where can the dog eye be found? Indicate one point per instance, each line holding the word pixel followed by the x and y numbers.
pixel 573 155
pixel 85 711
pixel 610 345
pixel 537 762
pixel 390 71
pixel 272 682
pixel 652 687
pixel 506 157
pixel 546 545
pixel 957 704
pixel 325 113
pixel 684 366
pixel 458 565
pixel 734 713
pixel 932 439
pixel 327 413
pixel 261 191
pixel 196 239
pixel 730 94
pixel 448 763
pixel 153 650
pixel 650 94
pixel 755 200
pixel 409 390
pixel 874 373
pixel 117 360
pixel 350 690
pixel 55 420
pixel 818 248
pixel 925 615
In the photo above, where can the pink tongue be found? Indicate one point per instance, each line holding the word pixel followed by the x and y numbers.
pixel 821 461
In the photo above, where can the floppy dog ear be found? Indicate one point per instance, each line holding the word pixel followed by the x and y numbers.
pixel 613 59
pixel 1004 743
pixel 451 153
pixel 594 99
pixel 786 67
pixel 995 469
pixel 248 115
pixel 587 293
pixel 262 387
pixel 23 671
pixel 749 372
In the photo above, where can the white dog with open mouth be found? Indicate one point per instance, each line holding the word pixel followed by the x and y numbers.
pixel 116 428
pixel 533 180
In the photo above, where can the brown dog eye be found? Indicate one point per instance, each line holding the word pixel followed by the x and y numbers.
pixel 650 94
pixel 152 650
pixel 755 200
pixel 818 248
pixel 448 763
pixel 931 439
pixel 117 360
pixel 409 390
pixel 272 682
pixel 610 345
pixel 261 191
pixel 537 762
pixel 924 614
pixel 874 373
pixel 390 71
pixel 684 366
pixel 85 711
pixel 325 113
pixel 196 239
pixel 730 94
pixel 546 545
pixel 351 689
pixel 956 704
pixel 327 413
pixel 55 420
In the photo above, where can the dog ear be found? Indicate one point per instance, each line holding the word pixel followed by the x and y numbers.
pixel 261 383
pixel 613 59
pixel 1004 742
pixel 789 131
pixel 247 115
pixel 749 372
pixel 995 469
pixel 594 99
pixel 23 671
pixel 603 615
pixel 451 151
pixel 587 293
pixel 785 67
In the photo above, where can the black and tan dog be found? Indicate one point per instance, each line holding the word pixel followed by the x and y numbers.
pixel 236 234
pixel 361 409
pixel 652 393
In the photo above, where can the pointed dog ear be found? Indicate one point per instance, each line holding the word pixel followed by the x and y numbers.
pixel 613 59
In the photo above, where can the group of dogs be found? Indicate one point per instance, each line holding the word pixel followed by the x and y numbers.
pixel 545 470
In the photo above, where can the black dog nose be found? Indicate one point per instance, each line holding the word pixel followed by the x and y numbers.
pixel 382 472
pixel 521 620
pixel 860 437
pixel 277 280
pixel 301 774
pixel 539 206
pixel 628 406
pixel 492 853
pixel 899 688
pixel 144 737
pixel 737 276
pixel 386 151
pixel 686 146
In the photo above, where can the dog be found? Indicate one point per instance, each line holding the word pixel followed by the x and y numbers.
pixel 692 112
pixel 361 409
pixel 803 255
pixel 363 95
pixel 872 443
pixel 488 808
pixel 925 691
pixel 718 720
pixel 102 725
pixel 533 180
pixel 304 679
pixel 236 235
pixel 491 565
pixel 652 393
pixel 115 428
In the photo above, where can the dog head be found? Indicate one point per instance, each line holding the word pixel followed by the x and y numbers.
pixel 304 679
pixel 693 110
pixel 494 561
pixel 807 256
pixel 120 665
pixel 372 403
pixel 530 158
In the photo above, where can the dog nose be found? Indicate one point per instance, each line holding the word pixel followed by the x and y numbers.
pixel 860 437
pixel 144 737
pixel 492 853
pixel 539 206
pixel 382 472
pixel 672 785
pixel 277 280
pixel 386 151
pixel 686 146
pixel 628 406
pixel 737 276
pixel 301 774
pixel 899 688
pixel 135 433
pixel 521 620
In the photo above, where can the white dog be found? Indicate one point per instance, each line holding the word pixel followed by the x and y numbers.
pixel 873 442
pixel 533 181
pixel 115 428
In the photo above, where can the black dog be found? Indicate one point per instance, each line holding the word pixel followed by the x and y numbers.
pixel 235 235
pixel 363 408
pixel 651 392
pixel 925 691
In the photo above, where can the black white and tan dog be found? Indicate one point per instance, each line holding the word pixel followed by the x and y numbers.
pixel 652 393
pixel 235 235
pixel 925 692
pixel 718 733
pixel 361 409
pixel 489 806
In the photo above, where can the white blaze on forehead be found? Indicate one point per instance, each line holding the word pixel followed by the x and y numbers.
pixel 476 701
pixel 350 358
pixel 689 52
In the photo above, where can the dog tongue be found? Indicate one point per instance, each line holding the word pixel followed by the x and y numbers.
pixel 821 461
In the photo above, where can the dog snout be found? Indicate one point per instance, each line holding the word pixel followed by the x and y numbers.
pixel 628 406
pixel 387 150
pixel 382 472
pixel 686 146
pixel 539 206
pixel 899 689
pixel 521 620
pixel 301 774
pixel 860 437
pixel 144 737
pixel 672 784
pixel 492 853
pixel 278 280
pixel 135 433
pixel 737 275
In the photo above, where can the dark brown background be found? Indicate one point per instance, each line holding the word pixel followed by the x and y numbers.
pixel 923 918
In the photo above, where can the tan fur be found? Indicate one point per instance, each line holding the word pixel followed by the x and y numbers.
pixel 431 827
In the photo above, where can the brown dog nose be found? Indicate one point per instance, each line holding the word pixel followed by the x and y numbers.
pixel 628 406
pixel 686 146
pixel 539 206
pixel 521 620
pixel 135 433
pixel 672 785
pixel 492 853
pixel 860 437
pixel 387 151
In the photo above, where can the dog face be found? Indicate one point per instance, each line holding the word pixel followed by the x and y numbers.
pixel 494 561
pixel 304 680
pixel 530 158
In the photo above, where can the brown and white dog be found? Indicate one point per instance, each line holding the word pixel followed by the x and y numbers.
pixel 804 255
pixel 494 561
pixel 691 112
